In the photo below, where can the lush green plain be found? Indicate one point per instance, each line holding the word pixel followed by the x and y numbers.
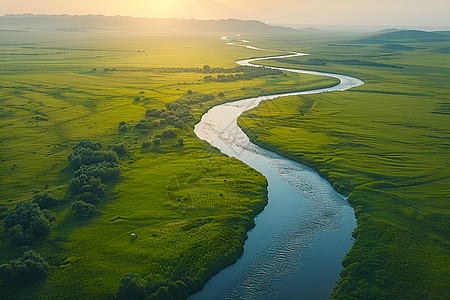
pixel 189 205
pixel 384 144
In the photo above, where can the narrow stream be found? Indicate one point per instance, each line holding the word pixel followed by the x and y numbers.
pixel 298 243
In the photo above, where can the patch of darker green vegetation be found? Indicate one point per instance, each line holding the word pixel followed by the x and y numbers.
pixel 385 145
pixel 92 165
pixel 224 74
pixel 19 272
pixel 323 62
pixel 27 222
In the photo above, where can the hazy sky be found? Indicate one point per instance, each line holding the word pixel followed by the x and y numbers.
pixel 340 12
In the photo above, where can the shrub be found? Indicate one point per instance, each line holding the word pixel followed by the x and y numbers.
pixel 89 145
pixel 83 183
pixel 31 266
pixel 179 124
pixel 119 149
pixel 189 92
pixel 122 123
pixel 87 156
pixel 146 144
pixel 123 129
pixel 156 142
pixel 221 94
pixel 154 112
pixel 45 200
pixel 168 133
pixel 181 142
pixel 103 170
pixel 83 209
pixel 88 197
pixel 131 288
pixel 26 223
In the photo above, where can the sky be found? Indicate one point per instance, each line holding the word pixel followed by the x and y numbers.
pixel 326 12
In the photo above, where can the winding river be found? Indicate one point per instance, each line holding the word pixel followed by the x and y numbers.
pixel 298 243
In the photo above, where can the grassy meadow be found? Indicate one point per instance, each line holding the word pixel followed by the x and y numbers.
pixel 189 205
pixel 384 144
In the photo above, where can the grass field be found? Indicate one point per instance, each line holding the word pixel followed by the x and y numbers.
pixel 190 205
pixel 385 145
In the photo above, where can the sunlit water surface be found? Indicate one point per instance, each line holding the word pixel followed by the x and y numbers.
pixel 298 243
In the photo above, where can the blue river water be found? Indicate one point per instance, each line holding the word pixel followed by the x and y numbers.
pixel 302 235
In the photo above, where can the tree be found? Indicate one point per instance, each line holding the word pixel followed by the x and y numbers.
pixel 206 68
pixel 123 129
pixel 31 266
pixel 156 142
pixel 26 223
pixel 45 200
pixel 88 197
pixel 168 133
pixel 179 124
pixel 221 94
pixel 146 144
pixel 131 288
pixel 83 209
pixel 189 92
pixel 181 142
pixel 119 149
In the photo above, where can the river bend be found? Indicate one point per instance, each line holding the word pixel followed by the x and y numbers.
pixel 298 243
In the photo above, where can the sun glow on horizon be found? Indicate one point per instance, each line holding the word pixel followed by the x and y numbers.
pixel 350 12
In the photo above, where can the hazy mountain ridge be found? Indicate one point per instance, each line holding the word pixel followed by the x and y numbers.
pixel 89 22
pixel 403 35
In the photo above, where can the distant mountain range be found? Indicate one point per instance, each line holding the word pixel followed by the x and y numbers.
pixel 100 22
pixel 390 35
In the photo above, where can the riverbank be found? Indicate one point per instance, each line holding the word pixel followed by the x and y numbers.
pixel 383 145
pixel 297 196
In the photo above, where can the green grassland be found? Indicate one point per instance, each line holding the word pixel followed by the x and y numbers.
pixel 190 205
pixel 384 144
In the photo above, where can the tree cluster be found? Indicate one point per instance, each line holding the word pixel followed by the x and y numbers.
pixel 45 200
pixel 131 287
pixel 27 222
pixel 242 73
pixel 31 266
pixel 92 165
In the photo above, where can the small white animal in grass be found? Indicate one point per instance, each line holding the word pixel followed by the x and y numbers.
pixel 133 235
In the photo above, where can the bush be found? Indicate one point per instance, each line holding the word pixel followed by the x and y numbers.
pixel 168 133
pixel 181 142
pixel 31 266
pixel 88 197
pixel 120 149
pixel 122 123
pixel 83 209
pixel 131 288
pixel 83 183
pixel 156 142
pixel 146 144
pixel 189 92
pixel 27 222
pixel 154 112
pixel 123 129
pixel 103 170
pixel 221 94
pixel 179 124
pixel 45 200
pixel 87 156
pixel 89 145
